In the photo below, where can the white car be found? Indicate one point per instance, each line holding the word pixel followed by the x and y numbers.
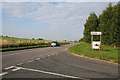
pixel 53 44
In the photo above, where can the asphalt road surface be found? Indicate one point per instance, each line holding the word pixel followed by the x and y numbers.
pixel 54 62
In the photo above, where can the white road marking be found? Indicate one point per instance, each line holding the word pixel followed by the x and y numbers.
pixel 51 73
pixel 37 58
pixel 17 68
pixel 17 53
pixel 9 67
pixel 31 61
pixel 56 53
pixel 48 55
pixel 20 64
pixel 4 73
pixel 44 57
pixel 53 54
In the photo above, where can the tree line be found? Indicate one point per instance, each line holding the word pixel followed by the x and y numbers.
pixel 108 22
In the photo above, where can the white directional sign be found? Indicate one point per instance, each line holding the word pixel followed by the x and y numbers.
pixel 96 33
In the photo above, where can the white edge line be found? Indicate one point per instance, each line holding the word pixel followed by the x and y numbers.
pixel 9 67
pixel 51 73
pixel 18 68
pixel 4 73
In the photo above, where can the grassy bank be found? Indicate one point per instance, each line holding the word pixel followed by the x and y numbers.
pixel 106 53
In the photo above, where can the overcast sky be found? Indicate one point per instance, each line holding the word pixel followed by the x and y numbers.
pixel 47 20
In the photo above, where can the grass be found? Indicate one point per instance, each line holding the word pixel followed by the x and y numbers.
pixel 6 42
pixel 106 53
pixel 12 43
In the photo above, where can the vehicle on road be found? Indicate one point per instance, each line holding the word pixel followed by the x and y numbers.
pixel 55 43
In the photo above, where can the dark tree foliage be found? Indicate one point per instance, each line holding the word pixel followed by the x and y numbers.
pixel 105 24
pixel 90 25
pixel 108 23
pixel 40 39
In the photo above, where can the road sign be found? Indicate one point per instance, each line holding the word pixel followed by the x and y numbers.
pixel 96 33
pixel 96 44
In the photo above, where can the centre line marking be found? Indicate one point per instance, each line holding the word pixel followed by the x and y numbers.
pixel 37 58
pixel 53 54
pixel 31 61
pixel 17 53
pixel 48 55
pixel 56 53
pixel 11 54
pixel 44 57
pixel 4 73
pixel 20 64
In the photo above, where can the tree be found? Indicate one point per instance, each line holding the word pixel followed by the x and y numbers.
pixel 33 38
pixel 40 39
pixel 90 25
pixel 81 40
pixel 105 24
pixel 108 23
pixel 116 19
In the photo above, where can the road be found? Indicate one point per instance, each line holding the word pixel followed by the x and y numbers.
pixel 54 62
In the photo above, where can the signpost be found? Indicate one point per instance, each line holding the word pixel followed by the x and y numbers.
pixel 96 44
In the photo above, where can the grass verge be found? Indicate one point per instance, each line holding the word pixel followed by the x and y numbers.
pixel 107 53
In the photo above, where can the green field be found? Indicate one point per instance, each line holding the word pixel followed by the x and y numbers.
pixel 107 53
pixel 12 43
